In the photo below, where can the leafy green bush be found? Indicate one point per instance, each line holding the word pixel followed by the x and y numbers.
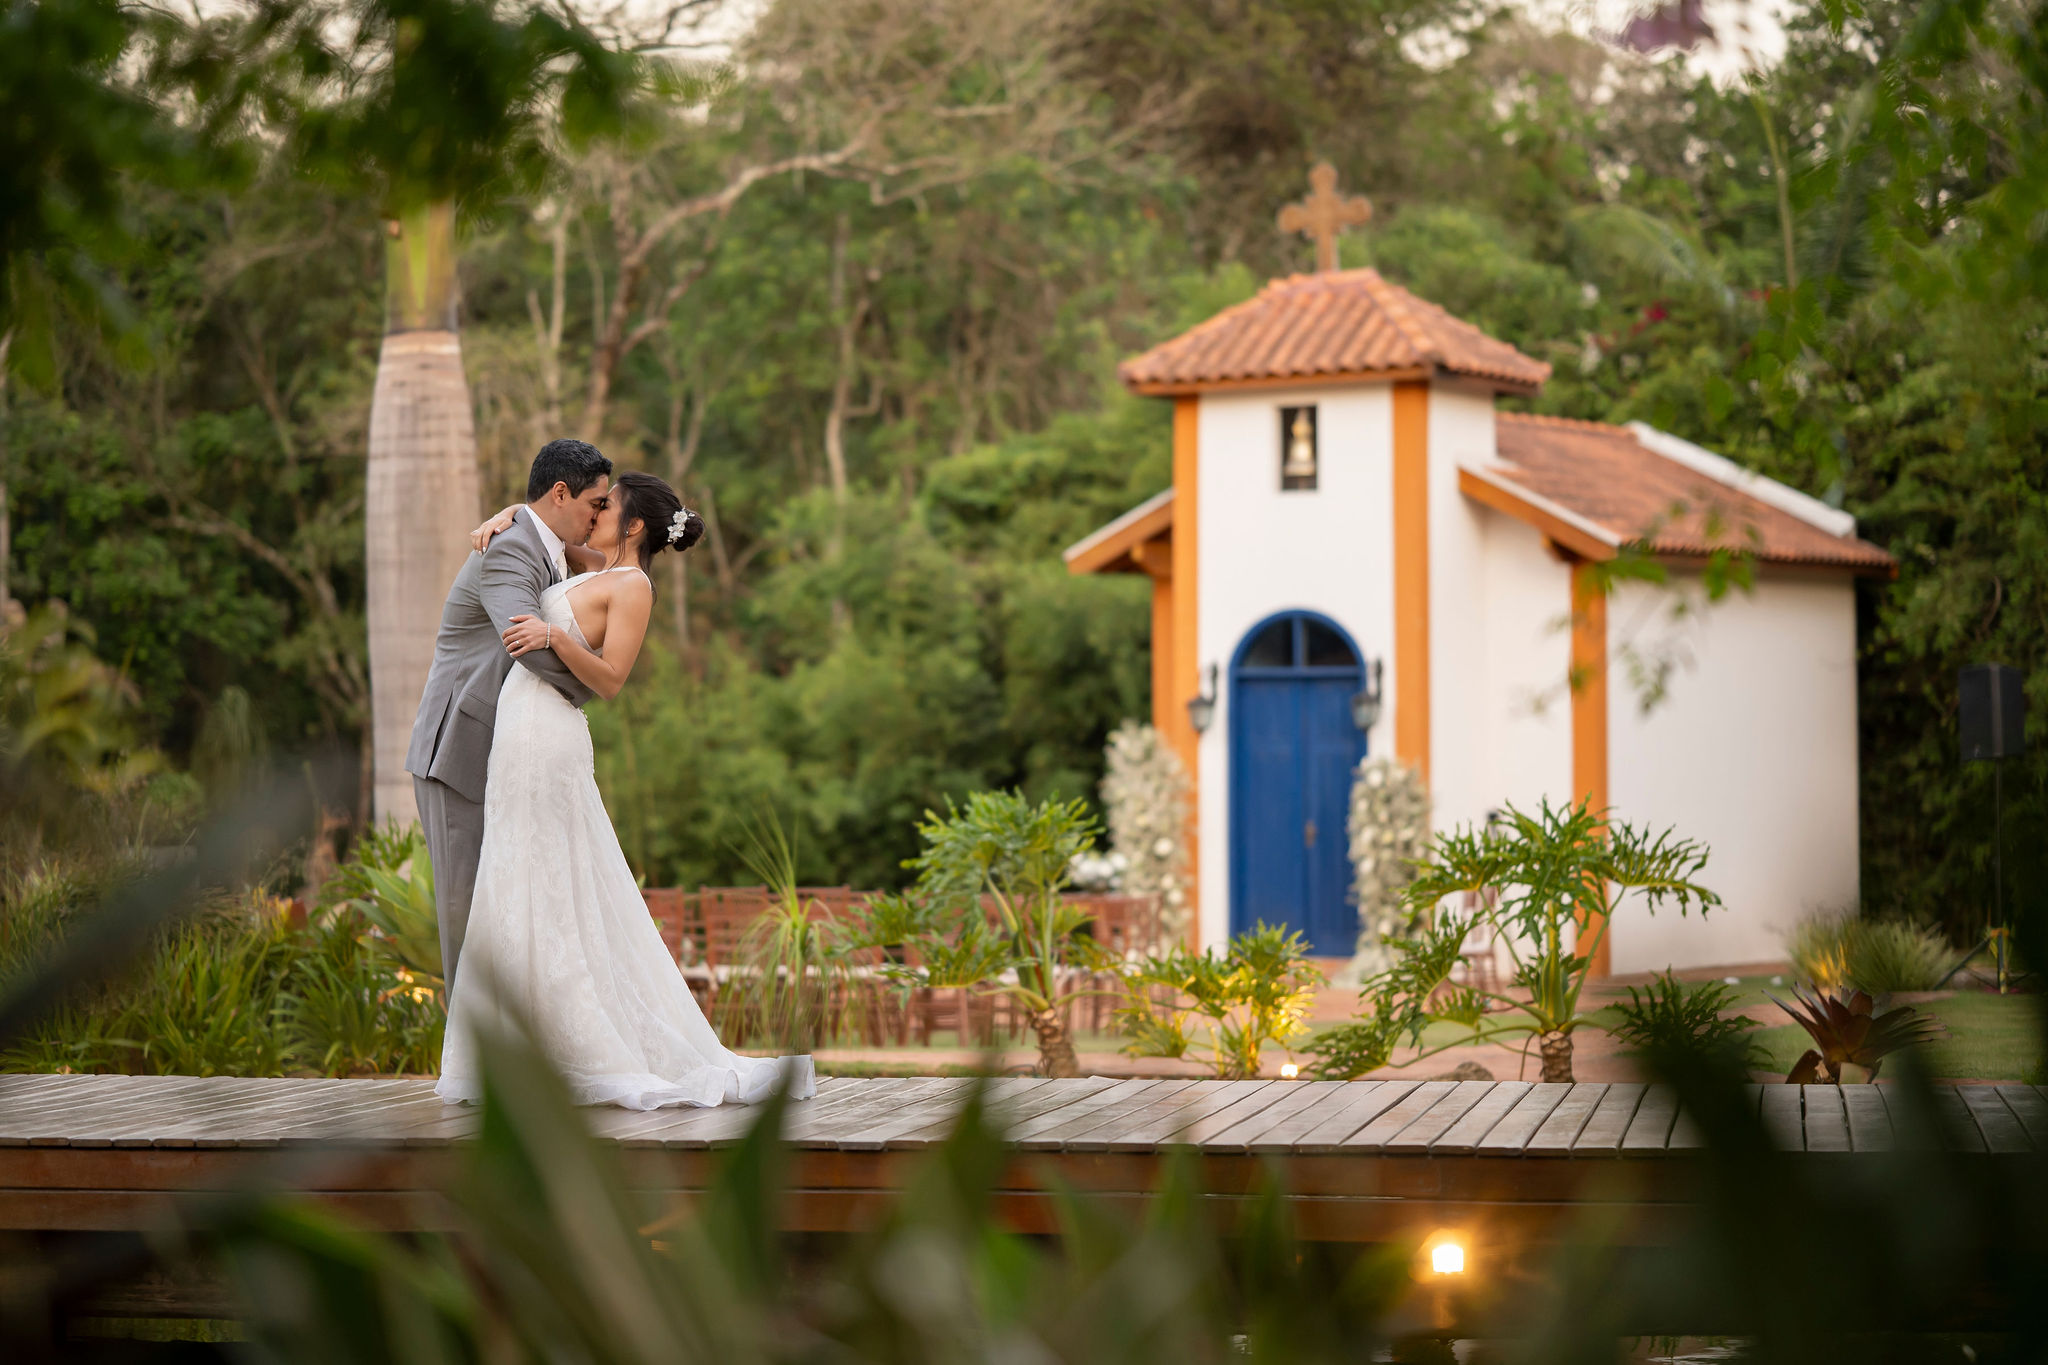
pixel 243 990
pixel 389 880
pixel 1890 955
pixel 1819 948
pixel 1257 991
pixel 1838 950
pixel 1668 1018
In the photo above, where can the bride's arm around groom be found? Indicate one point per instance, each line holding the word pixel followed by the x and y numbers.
pixel 622 604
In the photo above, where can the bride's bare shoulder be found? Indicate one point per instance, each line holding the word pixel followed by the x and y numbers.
pixel 633 588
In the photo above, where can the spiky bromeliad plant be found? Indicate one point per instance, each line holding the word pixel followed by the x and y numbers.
pixel 1848 1031
pixel 1555 877
pixel 998 853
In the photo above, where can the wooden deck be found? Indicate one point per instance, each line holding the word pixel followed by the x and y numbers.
pixel 1361 1161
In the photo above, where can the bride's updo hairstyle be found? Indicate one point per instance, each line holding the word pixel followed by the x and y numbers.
pixel 652 503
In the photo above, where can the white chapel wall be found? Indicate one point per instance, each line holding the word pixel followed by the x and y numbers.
pixel 1262 550
pixel 1522 706
pixel 1461 431
pixel 1753 751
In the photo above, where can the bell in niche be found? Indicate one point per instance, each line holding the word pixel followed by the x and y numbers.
pixel 1300 463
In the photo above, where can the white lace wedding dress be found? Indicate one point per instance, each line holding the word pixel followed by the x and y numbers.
pixel 560 938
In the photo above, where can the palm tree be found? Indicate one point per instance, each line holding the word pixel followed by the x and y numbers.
pixel 420 487
pixel 440 109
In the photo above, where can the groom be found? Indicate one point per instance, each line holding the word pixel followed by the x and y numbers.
pixel 451 739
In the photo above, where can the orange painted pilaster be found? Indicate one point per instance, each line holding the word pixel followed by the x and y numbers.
pixel 1589 706
pixel 1185 680
pixel 1163 690
pixel 1411 574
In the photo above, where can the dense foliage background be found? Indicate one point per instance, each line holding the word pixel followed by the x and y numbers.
pixel 860 292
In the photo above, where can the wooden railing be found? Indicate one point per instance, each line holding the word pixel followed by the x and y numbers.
pixel 706 931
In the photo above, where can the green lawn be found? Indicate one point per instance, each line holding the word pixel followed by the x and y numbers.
pixel 1991 1038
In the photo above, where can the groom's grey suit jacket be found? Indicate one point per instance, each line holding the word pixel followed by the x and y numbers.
pixel 451 738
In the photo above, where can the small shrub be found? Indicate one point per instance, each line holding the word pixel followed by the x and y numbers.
pixel 1838 951
pixel 348 1011
pixel 795 966
pixel 1892 955
pixel 1819 948
pixel 389 880
pixel 243 990
pixel 1668 1019
pixel 210 1004
pixel 1257 991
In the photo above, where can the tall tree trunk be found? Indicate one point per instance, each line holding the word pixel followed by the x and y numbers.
pixel 547 331
pixel 6 516
pixel 849 321
pixel 682 453
pixel 420 494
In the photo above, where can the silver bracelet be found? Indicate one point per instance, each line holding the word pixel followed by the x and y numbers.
pixel 549 643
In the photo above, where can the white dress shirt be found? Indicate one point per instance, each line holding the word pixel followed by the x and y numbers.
pixel 553 543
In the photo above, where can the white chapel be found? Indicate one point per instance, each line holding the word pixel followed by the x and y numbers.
pixel 1360 553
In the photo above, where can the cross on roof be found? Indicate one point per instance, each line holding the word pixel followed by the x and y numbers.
pixel 1324 214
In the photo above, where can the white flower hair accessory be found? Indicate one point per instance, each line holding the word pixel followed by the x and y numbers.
pixel 678 524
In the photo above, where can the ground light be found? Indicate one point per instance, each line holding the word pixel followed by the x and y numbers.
pixel 1445 1273
pixel 1288 1071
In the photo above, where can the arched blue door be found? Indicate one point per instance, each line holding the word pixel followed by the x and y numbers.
pixel 1293 747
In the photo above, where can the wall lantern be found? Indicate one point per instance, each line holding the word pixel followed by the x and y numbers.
pixel 1365 705
pixel 1202 709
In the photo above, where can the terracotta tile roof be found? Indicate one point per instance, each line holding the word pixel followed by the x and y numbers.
pixel 1605 479
pixel 1339 325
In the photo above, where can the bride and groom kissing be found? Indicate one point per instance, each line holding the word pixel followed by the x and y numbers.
pixel 543 927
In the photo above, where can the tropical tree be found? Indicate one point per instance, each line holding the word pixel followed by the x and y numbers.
pixel 440 110
pixel 987 912
pixel 1547 884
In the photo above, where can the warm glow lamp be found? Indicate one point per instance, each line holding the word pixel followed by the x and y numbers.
pixel 1447 1258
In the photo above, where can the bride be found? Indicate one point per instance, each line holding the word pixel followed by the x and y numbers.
pixel 559 939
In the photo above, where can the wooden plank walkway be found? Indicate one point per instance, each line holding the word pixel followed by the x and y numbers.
pixel 1361 1161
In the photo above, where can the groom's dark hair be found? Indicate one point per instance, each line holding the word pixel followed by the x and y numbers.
pixel 576 463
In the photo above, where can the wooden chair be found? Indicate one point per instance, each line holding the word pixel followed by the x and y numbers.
pixel 706 930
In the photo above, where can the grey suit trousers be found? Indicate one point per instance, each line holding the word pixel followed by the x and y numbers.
pixel 454 826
